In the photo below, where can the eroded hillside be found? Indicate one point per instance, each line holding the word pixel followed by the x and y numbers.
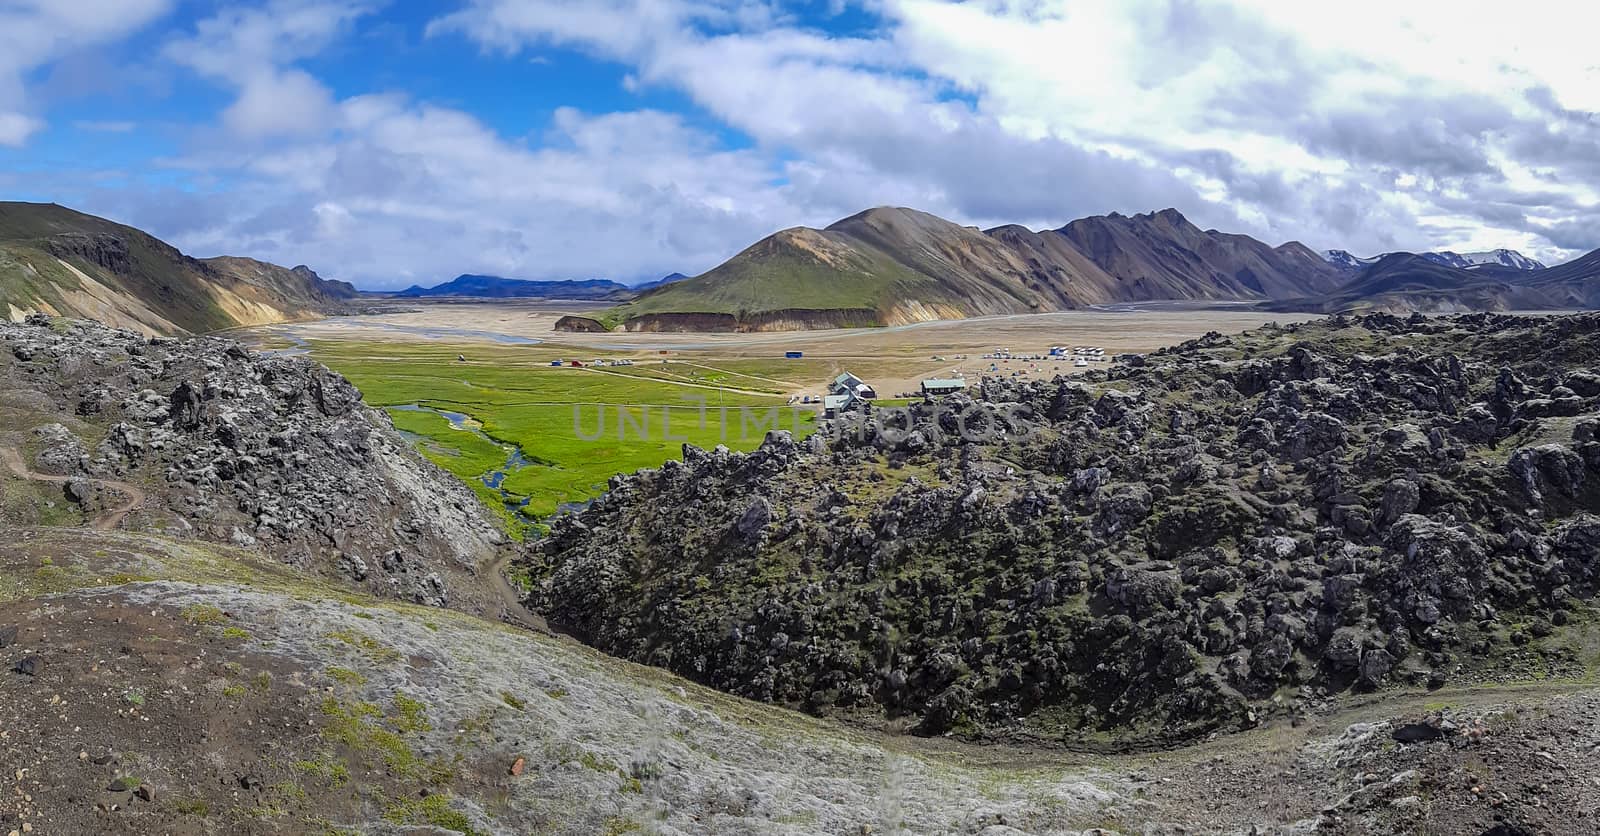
pixel 60 262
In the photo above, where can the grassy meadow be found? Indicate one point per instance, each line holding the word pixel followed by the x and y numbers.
pixel 576 427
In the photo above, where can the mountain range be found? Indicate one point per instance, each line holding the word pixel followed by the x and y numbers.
pixel 1467 261
pixel 63 262
pixel 891 266
pixel 883 266
pixel 495 287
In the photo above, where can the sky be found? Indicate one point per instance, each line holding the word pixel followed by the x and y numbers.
pixel 407 141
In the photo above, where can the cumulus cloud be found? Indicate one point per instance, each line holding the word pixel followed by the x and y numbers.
pixel 1301 113
pixel 36 32
pixel 1283 119
pixel 15 128
pixel 253 50
pixel 404 192
pixel 1365 125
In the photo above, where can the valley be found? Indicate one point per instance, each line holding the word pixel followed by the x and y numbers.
pixel 379 682
pixel 759 418
pixel 572 429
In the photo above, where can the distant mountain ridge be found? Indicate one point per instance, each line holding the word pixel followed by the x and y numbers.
pixel 495 287
pixel 1510 259
pixel 1407 282
pixel 890 266
pixel 667 279
pixel 63 262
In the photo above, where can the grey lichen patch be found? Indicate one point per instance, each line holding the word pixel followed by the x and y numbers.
pixel 605 742
pixel 414 700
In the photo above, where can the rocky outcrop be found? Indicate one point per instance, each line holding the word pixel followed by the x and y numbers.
pixel 251 449
pixel 580 324
pixel 1235 527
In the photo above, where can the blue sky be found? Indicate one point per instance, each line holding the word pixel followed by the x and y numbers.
pixel 394 142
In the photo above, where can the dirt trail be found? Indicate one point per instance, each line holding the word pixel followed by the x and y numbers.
pixel 513 612
pixel 107 520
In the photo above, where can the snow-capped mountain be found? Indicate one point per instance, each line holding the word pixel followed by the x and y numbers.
pixel 1343 259
pixel 1494 258
pixel 1464 261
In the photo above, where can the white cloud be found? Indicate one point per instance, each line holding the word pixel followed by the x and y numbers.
pixel 113 127
pixel 15 128
pixel 274 103
pixel 402 192
pixel 1291 120
pixel 1368 125
pixel 1407 106
pixel 36 32
pixel 253 50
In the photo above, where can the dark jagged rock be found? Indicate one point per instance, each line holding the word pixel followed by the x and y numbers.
pixel 1233 528
pixel 249 449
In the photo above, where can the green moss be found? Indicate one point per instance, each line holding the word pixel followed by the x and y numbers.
pixel 235 633
pixel 617 825
pixel 511 699
pixel 192 807
pixel 360 726
pixel 202 614
pixel 411 716
pixel 598 763
pixel 433 810
pixel 369 647
pixel 345 676
pixel 331 771
pixel 233 690
pixel 288 791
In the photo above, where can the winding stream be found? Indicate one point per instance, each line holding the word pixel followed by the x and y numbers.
pixel 495 479
pixel 299 346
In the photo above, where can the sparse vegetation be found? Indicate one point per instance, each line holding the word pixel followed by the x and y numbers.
pixel 368 646
pixel 203 614
pixel 434 810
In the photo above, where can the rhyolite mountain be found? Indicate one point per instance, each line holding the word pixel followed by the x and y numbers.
pixel 1163 256
pixel 59 261
pixel 890 266
pixel 495 287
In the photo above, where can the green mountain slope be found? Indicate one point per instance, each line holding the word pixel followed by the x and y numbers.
pixel 890 266
pixel 63 262
pixel 884 266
